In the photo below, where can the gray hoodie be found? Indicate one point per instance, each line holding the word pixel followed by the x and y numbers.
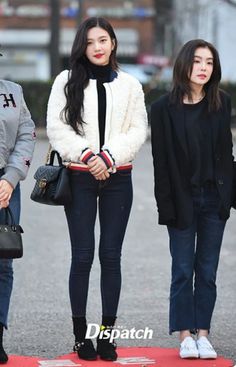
pixel 17 133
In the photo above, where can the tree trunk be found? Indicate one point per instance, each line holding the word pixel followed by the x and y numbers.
pixel 55 37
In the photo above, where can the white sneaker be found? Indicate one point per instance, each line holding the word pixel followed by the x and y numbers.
pixel 205 349
pixel 188 348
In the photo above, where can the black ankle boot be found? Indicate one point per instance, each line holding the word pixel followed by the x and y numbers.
pixel 106 350
pixel 84 347
pixel 85 350
pixel 3 354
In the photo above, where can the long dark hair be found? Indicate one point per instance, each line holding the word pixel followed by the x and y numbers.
pixel 183 69
pixel 79 77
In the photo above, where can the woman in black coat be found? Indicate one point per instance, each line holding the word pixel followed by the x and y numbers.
pixel 193 170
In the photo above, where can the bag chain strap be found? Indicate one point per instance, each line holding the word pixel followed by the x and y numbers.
pixel 48 154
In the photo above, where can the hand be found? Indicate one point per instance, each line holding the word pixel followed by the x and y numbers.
pixel 5 191
pixel 102 176
pixel 98 168
pixel 4 204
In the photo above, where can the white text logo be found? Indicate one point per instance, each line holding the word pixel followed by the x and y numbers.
pixel 94 331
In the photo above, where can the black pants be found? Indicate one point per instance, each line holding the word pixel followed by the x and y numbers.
pixel 113 199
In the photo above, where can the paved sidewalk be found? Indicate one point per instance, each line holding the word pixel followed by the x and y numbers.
pixel 40 319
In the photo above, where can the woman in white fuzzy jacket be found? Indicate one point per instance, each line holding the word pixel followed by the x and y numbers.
pixel 97 122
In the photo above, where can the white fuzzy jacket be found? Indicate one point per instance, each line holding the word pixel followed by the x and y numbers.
pixel 126 119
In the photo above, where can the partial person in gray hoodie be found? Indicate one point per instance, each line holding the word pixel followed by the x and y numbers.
pixel 17 139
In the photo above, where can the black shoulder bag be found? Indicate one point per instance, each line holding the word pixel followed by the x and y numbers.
pixel 10 237
pixel 52 185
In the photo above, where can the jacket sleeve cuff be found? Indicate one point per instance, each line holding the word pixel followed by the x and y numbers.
pixel 86 155
pixel 12 176
pixel 107 158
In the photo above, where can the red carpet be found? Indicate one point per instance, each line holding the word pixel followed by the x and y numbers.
pixel 136 357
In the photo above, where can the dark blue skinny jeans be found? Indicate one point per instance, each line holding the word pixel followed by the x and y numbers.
pixel 113 199
pixel 6 268
pixel 195 255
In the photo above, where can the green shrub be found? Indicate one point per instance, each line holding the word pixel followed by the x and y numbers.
pixel 37 92
pixel 36 95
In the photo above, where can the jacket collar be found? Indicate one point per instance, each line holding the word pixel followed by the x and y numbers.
pixel 112 75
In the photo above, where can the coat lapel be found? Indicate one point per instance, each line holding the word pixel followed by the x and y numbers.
pixel 177 121
pixel 215 124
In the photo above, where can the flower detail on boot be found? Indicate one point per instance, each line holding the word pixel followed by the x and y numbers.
pixel 85 350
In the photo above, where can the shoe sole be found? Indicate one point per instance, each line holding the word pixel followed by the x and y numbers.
pixel 207 357
pixel 107 359
pixel 88 359
pixel 190 356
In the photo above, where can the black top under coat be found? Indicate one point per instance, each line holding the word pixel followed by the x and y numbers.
pixel 103 75
pixel 199 141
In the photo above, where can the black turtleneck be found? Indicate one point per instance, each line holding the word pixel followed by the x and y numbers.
pixel 102 74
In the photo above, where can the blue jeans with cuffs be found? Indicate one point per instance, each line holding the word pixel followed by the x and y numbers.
pixel 195 255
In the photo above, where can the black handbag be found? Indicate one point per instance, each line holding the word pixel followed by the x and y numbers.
pixel 10 237
pixel 52 185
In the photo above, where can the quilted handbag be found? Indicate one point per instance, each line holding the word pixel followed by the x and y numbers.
pixel 52 185
pixel 10 237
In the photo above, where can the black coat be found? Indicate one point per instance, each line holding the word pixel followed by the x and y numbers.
pixel 172 164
